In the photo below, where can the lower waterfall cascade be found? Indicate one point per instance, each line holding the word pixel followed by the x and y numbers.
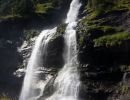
pixel 35 64
pixel 67 81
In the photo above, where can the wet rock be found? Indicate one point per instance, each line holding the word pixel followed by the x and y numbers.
pixel 53 56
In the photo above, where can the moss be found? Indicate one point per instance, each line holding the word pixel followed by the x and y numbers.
pixel 104 29
pixel 96 8
pixel 96 31
pixel 94 14
pixel 60 31
pixel 123 4
pixel 28 7
pixel 81 40
pixel 124 68
pixel 123 89
pixel 43 8
pixel 111 40
pixel 4 97
pixel 10 17
pixel 61 28
pixel 30 34
pixel 98 26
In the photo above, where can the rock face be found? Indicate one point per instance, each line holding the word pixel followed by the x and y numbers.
pixel 104 50
pixel 13 32
pixel 103 37
pixel 10 58
pixel 55 48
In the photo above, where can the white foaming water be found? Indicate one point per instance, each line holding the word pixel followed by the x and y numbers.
pixel 67 82
pixel 29 88
pixel 73 11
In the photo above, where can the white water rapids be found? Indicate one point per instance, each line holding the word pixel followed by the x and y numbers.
pixel 34 65
pixel 67 81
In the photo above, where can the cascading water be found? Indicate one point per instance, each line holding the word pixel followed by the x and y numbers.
pixel 32 81
pixel 67 82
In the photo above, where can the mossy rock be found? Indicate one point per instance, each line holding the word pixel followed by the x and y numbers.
pixel 96 8
pixel 123 89
pixel 43 8
pixel 111 40
pixel 60 31
pixel 103 30
pixel 28 34
pixel 4 97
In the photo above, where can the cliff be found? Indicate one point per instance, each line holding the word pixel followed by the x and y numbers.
pixel 104 45
pixel 103 37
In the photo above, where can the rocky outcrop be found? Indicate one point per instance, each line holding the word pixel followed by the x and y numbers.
pixel 55 49
pixel 103 37
pixel 104 45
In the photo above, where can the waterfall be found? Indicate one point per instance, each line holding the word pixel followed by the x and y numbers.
pixel 32 81
pixel 67 82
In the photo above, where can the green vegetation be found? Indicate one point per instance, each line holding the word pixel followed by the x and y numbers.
pixel 60 31
pixel 124 4
pixel 30 34
pixel 11 9
pixel 112 40
pixel 10 17
pixel 102 29
pixel 4 97
pixel 43 8
pixel 81 40
pixel 123 88
pixel 124 68
pixel 97 25
pixel 99 7
pixel 25 8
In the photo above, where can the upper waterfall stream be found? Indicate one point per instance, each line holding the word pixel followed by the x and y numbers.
pixel 67 81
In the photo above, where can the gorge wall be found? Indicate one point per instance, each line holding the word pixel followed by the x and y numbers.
pixel 103 36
